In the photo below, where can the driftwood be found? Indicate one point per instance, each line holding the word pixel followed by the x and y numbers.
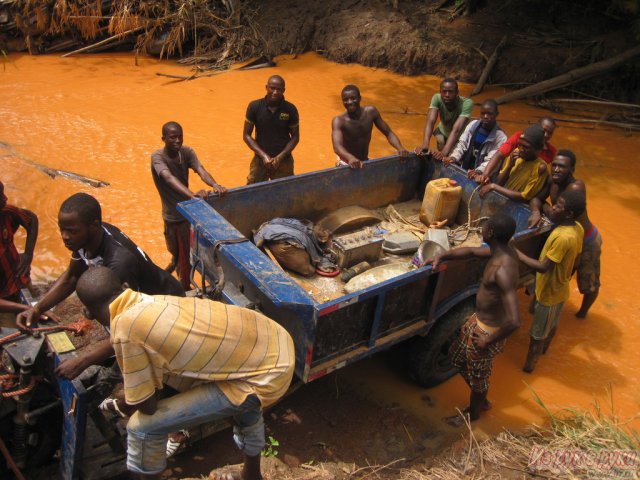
pixel 488 67
pixel 54 172
pixel 626 126
pixel 596 102
pixel 93 46
pixel 260 62
pixel 571 77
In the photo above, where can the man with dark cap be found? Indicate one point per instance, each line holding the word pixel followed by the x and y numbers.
pixel 524 173
pixel 495 162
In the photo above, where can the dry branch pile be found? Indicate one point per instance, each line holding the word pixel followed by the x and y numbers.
pixel 209 32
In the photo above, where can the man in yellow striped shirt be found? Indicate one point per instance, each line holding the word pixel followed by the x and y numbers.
pixel 225 361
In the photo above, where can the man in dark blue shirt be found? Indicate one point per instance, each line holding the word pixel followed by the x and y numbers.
pixel 277 123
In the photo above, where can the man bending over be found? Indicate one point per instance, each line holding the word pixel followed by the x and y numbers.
pixel 241 360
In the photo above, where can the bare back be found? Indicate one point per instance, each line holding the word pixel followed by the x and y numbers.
pixel 498 284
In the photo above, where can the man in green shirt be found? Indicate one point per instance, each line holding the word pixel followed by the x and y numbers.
pixel 453 111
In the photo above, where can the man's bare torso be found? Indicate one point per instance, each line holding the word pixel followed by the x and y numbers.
pixel 356 132
pixel 489 305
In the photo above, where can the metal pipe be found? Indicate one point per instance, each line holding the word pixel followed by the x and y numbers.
pixel 33 414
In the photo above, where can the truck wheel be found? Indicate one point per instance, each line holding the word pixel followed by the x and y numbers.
pixel 428 360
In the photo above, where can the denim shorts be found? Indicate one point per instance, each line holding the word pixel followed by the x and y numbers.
pixel 147 434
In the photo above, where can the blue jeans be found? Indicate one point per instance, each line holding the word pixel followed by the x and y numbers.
pixel 147 434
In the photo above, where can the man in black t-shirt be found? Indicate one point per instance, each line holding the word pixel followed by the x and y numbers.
pixel 95 243
pixel 277 123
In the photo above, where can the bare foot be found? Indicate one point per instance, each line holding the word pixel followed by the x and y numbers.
pixel 581 314
pixel 458 420
pixel 455 421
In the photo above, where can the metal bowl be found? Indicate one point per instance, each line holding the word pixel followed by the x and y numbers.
pixel 428 249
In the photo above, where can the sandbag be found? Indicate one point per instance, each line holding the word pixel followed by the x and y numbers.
pixel 292 257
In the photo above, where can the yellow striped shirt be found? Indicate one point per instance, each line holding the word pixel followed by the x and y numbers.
pixel 178 341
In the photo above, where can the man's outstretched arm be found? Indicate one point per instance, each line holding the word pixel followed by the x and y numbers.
pixel 61 289
pixel 30 244
pixel 209 180
pixel 452 139
pixel 432 118
pixel 94 355
pixel 385 129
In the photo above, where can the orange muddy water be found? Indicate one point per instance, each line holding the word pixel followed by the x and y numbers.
pixel 101 116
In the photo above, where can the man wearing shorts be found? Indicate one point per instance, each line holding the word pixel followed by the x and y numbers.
pixel 484 333
pixel 562 179
pixel 453 111
pixel 557 261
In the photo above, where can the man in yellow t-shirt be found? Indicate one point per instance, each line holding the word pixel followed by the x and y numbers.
pixel 225 362
pixel 558 260
pixel 524 173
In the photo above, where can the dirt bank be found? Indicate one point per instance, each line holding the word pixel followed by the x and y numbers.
pixel 545 38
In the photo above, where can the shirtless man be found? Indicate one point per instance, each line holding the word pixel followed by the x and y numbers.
pixel 562 179
pixel 484 333
pixel 351 130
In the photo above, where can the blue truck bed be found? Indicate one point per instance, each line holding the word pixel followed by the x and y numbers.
pixel 335 333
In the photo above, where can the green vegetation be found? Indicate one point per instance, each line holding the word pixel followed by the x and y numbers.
pixel 270 448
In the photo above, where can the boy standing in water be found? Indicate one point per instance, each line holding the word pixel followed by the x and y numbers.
pixel 496 317
pixel 558 259
pixel 170 171
pixel 453 111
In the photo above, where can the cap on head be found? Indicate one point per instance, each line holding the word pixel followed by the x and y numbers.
pixel 534 134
